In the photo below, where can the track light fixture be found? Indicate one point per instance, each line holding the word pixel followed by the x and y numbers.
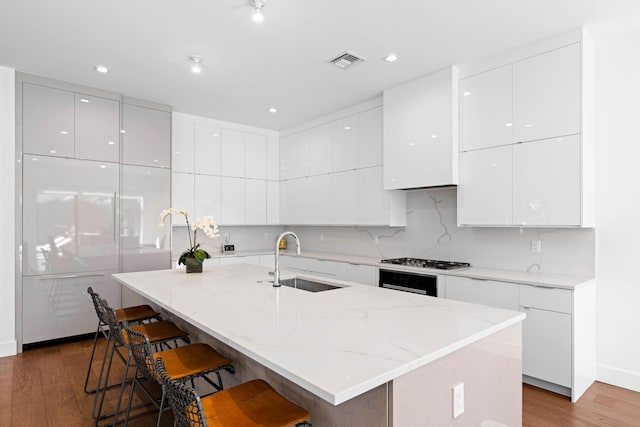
pixel 257 7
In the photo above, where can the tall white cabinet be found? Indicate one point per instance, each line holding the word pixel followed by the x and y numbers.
pixel 525 142
pixel 242 189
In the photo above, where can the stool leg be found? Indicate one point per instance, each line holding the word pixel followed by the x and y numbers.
pixel 102 389
pixel 161 406
pixel 124 382
pixel 93 351
pixel 133 384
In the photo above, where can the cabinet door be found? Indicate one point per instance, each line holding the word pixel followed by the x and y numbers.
pixel 232 153
pixel 546 346
pixel 207 149
pixel 47 121
pixel 273 202
pixel 147 137
pixel 369 151
pixel 344 134
pixel 293 201
pixel 69 215
pixel 480 291
pixel 546 182
pixel 364 274
pixel 418 133
pixel 255 156
pixel 322 267
pixel 345 198
pixel 273 158
pixel 255 201
pixel 97 128
pixel 145 193
pixel 232 201
pixel 294 155
pixel 182 195
pixel 59 306
pixel 207 196
pixel 319 150
pixel 373 204
pixel 317 200
pixel 484 195
pixel 486 118
pixel 547 95
pixel 251 259
pixel 182 142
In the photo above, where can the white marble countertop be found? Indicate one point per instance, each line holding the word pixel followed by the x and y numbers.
pixel 336 344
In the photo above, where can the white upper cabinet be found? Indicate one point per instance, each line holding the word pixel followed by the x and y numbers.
pixel 319 154
pixel 370 139
pixel 207 149
pixel 376 206
pixel 547 95
pixel 345 197
pixel 47 120
pixel 345 135
pixel 182 137
pixel 273 159
pixel 147 137
pixel 546 182
pixel 255 147
pixel 182 195
pixel 273 202
pixel 485 192
pixel 255 201
pixel 294 156
pixel 486 110
pixel 207 196
pixel 232 153
pixel 420 132
pixel 97 128
pixel 232 201
pixel 317 201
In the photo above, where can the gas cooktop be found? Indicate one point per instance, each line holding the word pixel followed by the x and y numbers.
pixel 427 263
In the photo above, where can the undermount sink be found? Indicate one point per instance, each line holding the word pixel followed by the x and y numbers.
pixel 308 285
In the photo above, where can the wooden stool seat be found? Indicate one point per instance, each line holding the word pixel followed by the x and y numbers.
pixel 137 313
pixel 254 403
pixel 157 331
pixel 194 359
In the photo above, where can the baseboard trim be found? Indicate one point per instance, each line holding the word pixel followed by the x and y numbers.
pixel 8 348
pixel 618 377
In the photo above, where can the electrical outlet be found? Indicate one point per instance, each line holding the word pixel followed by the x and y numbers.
pixel 458 399
pixel 536 246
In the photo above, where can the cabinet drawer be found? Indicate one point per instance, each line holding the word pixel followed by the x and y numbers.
pixel 480 291
pixel 552 299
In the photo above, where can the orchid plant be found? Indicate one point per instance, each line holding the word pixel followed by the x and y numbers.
pixel 205 223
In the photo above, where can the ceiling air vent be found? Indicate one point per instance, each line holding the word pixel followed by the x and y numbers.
pixel 346 60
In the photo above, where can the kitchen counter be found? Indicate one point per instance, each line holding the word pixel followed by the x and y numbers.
pixel 336 344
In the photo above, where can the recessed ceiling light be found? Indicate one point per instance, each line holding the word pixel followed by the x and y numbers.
pixel 64 132
pixel 528 125
pixel 52 151
pixel 123 131
pixel 273 110
pixel 84 100
pixel 215 135
pixel 434 136
pixel 177 152
pixel 508 124
pixel 111 143
pixel 347 127
pixel 155 160
pixel 101 69
pixel 196 67
pixel 257 10
pixel 467 93
pixel 103 166
pixel 392 57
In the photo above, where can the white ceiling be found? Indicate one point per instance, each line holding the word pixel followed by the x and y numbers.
pixel 281 62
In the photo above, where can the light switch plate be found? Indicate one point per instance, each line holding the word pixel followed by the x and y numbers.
pixel 458 400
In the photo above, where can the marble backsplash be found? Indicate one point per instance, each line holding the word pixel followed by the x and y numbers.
pixel 431 232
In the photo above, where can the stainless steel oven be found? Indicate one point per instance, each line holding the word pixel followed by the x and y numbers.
pixel 424 284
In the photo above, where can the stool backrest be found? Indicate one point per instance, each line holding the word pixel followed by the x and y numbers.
pixel 111 319
pixel 142 353
pixel 184 400
pixel 97 305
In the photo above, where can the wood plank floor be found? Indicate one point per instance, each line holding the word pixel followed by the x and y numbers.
pixel 44 386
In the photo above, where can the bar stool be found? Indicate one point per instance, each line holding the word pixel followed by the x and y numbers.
pixel 160 333
pixel 135 314
pixel 251 404
pixel 182 364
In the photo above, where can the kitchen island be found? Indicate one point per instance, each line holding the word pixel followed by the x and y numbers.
pixel 357 355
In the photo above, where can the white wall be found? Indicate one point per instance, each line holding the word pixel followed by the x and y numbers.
pixel 7 224
pixel 617 113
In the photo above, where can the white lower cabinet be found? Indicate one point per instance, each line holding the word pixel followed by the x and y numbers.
pixel 481 291
pixel 365 274
pixel 359 273
pixel 558 321
pixel 546 346
pixel 248 259
pixel 59 306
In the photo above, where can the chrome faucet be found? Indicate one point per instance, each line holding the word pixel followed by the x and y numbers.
pixel 276 272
